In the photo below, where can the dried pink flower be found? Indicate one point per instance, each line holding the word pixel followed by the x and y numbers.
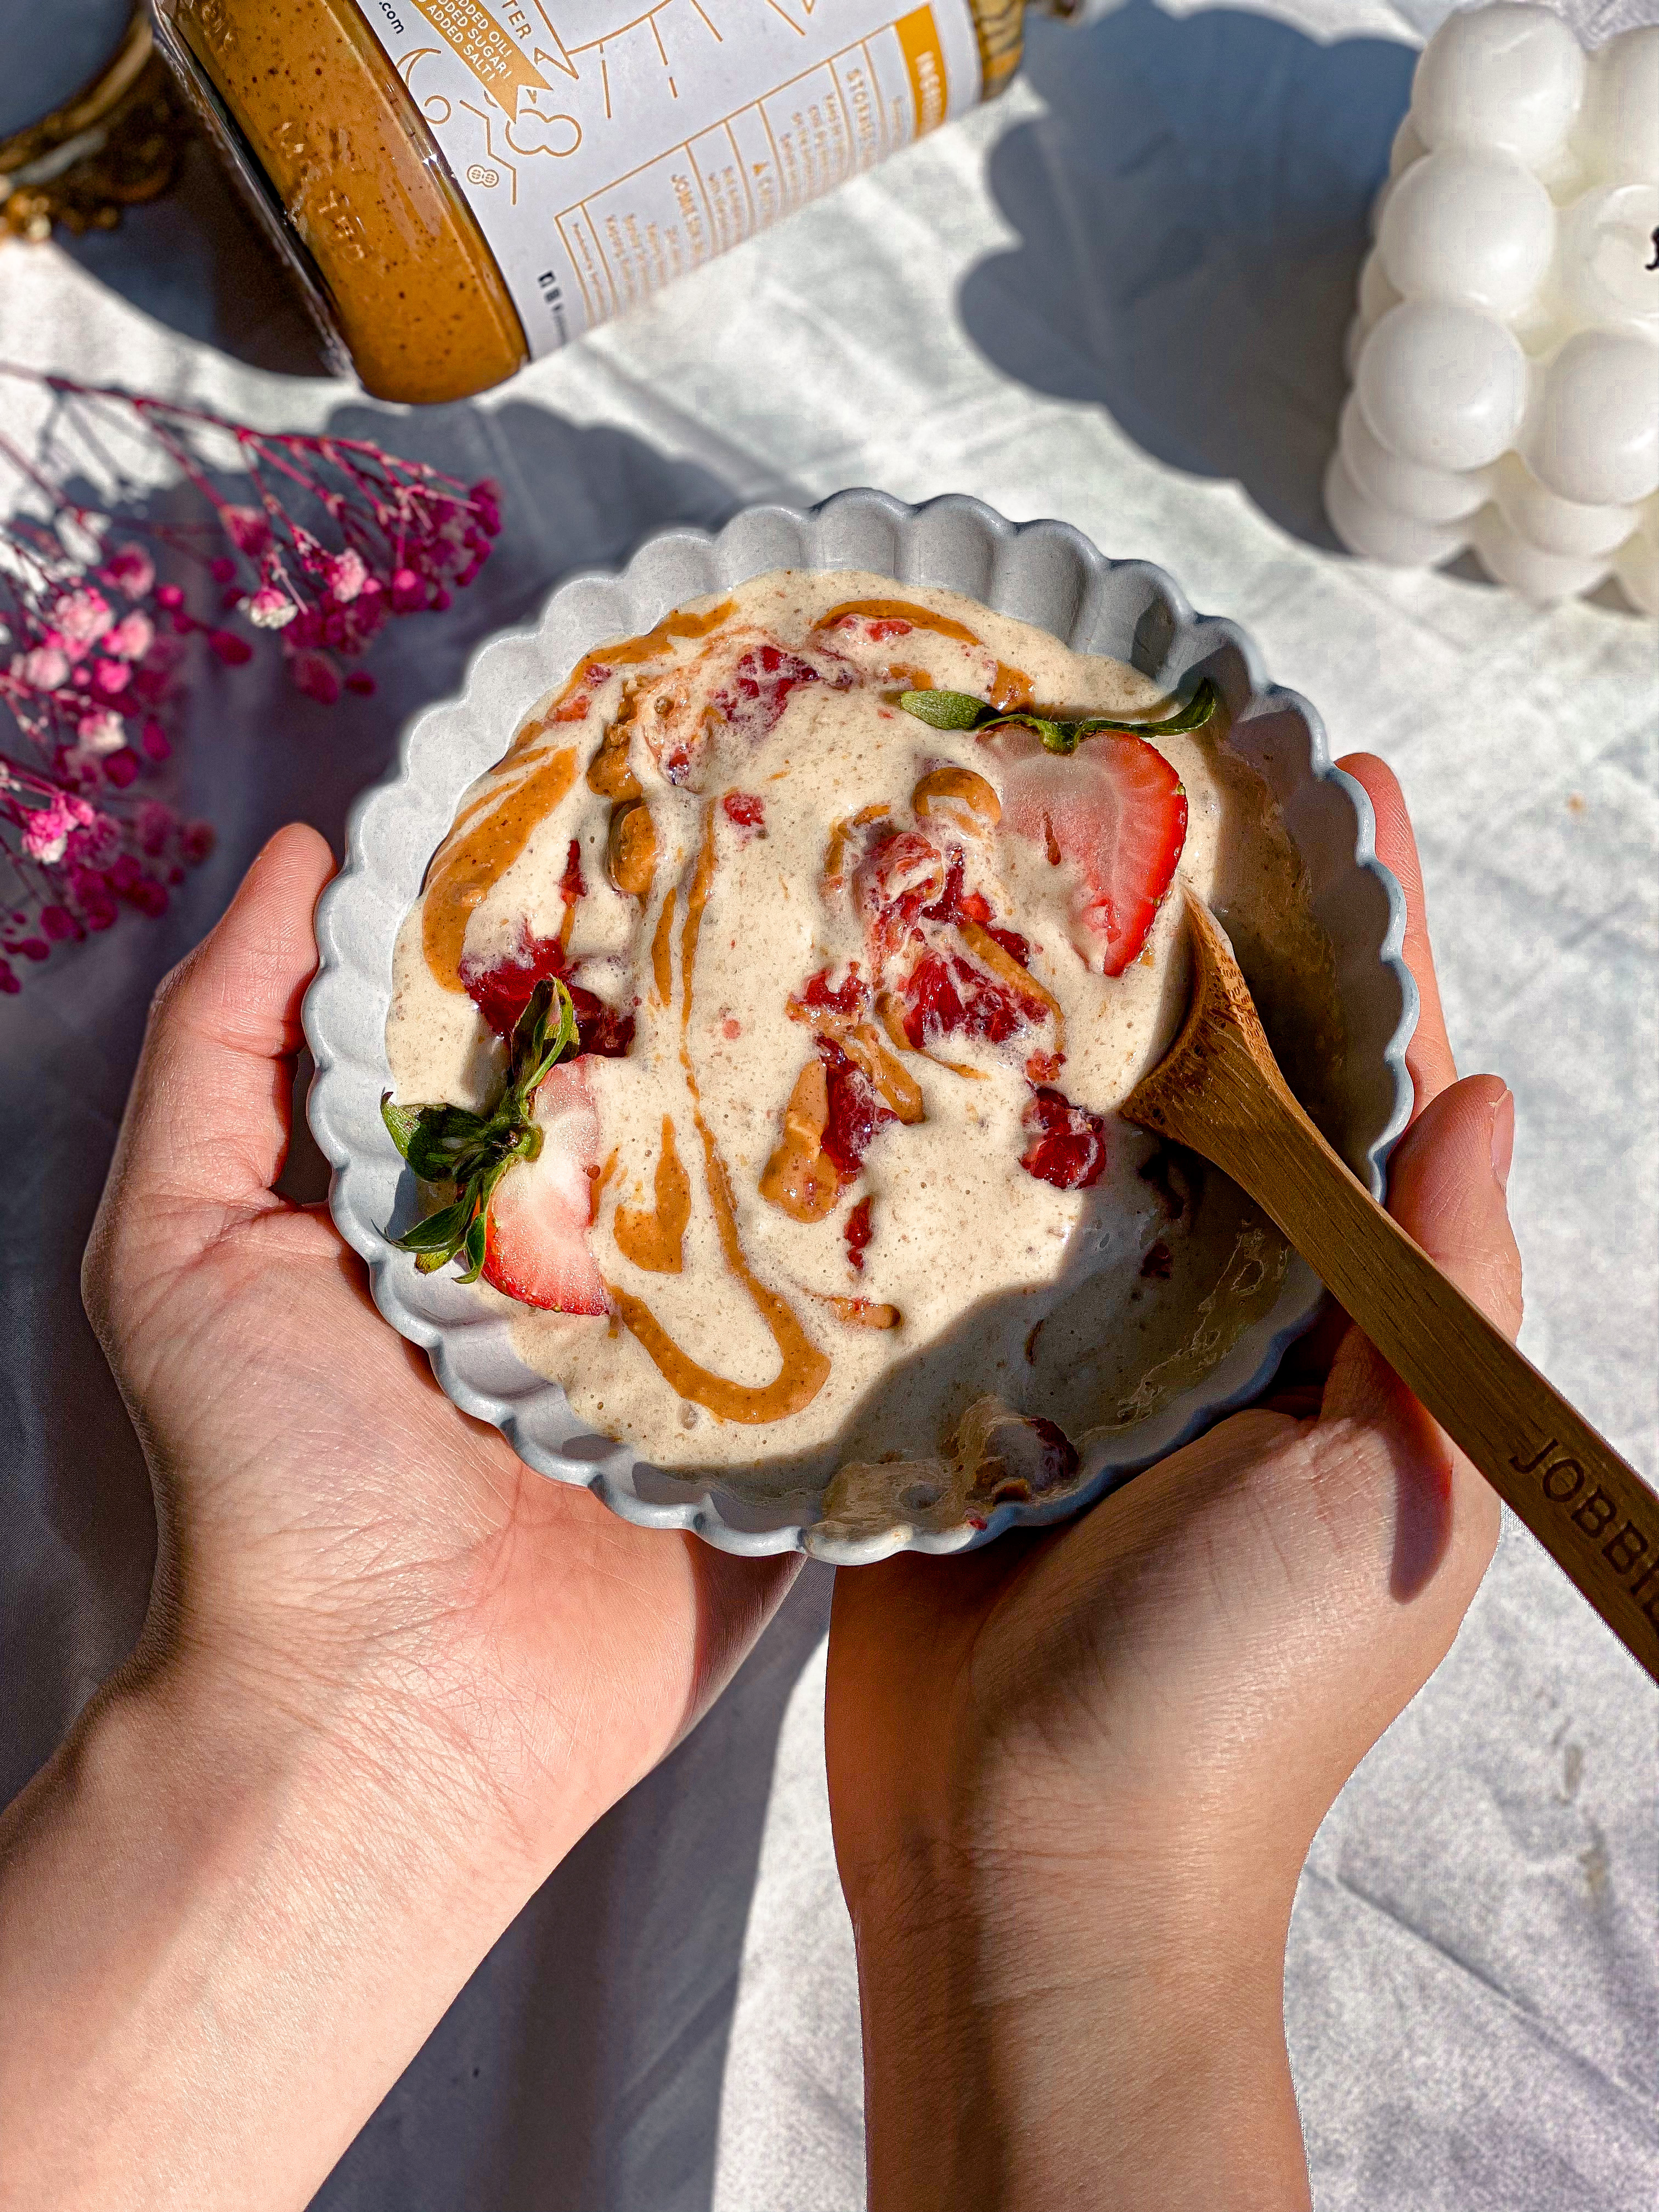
pixel 346 575
pixel 246 529
pixel 101 734
pixel 82 618
pixel 46 832
pixel 130 570
pixel 43 670
pixel 269 608
pixel 316 676
pixel 132 637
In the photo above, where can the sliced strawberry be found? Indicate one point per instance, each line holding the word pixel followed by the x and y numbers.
pixel 1115 810
pixel 536 1244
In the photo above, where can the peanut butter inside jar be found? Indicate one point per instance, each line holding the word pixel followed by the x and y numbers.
pixel 350 182
pixel 299 91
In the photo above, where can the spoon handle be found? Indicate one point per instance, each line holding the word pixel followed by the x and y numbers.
pixel 1591 1511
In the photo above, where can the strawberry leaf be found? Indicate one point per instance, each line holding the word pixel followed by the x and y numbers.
pixel 401 1121
pixel 946 710
pixel 438 1232
pixel 445 1142
pixel 960 710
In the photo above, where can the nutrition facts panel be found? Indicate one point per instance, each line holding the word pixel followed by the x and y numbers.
pixel 757 163
pixel 605 147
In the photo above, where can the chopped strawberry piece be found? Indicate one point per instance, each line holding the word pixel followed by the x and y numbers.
pixel 574 710
pixel 949 905
pixel 858 1233
pixel 856 1112
pixel 1069 1143
pixel 536 1242
pixel 879 631
pixel 903 871
pixel 501 992
pixel 956 904
pixel 945 994
pixel 756 691
pixel 744 811
pixel 932 1006
pixel 847 998
pixel 571 886
pixel 1115 810
pixel 605 1031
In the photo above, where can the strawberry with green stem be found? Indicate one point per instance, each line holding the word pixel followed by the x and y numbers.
pixel 472 1152
pixel 1115 811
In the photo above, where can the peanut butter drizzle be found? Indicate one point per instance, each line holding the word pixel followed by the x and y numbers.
pixel 798 1179
pixel 1010 687
pixel 835 851
pixel 662 950
pixel 653 1237
pixel 904 610
pixel 898 1088
pixel 611 772
pixel 629 652
pixel 803 1370
pixel 702 882
pixel 476 854
pixel 631 853
pixel 961 796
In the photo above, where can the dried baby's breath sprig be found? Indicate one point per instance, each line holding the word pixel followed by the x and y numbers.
pixel 317 539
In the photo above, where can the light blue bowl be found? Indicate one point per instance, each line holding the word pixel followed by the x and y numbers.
pixel 1044 573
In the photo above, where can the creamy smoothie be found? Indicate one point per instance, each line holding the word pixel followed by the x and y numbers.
pixel 835 1192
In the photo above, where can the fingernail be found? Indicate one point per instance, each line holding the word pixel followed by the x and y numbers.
pixel 1503 1139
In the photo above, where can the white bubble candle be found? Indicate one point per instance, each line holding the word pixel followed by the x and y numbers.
pixel 1505 354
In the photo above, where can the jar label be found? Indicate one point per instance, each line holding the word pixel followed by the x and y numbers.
pixel 607 145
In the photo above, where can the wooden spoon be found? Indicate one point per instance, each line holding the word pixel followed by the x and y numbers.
pixel 1219 1090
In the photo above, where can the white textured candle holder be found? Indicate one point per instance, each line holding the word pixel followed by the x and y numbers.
pixel 1506 354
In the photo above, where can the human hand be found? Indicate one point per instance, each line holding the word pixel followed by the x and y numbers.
pixel 389 1675
pixel 1074 1776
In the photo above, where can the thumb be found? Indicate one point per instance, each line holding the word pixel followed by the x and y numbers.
pixel 207 1122
pixel 1446 1188
pixel 1447 1183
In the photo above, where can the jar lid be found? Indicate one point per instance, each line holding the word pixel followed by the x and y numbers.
pixel 54 54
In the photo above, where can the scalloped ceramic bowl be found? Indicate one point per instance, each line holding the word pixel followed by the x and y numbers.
pixel 1043 572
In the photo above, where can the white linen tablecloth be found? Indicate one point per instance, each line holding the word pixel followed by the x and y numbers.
pixel 1117 296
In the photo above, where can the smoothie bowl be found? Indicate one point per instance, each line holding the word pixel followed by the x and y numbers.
pixel 725 1009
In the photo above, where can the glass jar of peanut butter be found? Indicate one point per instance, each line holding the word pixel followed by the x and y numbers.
pixel 460 186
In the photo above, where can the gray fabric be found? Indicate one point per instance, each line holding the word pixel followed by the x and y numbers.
pixel 1117 297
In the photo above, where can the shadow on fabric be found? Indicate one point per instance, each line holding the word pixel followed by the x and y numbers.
pixel 1192 219
pixel 194 260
